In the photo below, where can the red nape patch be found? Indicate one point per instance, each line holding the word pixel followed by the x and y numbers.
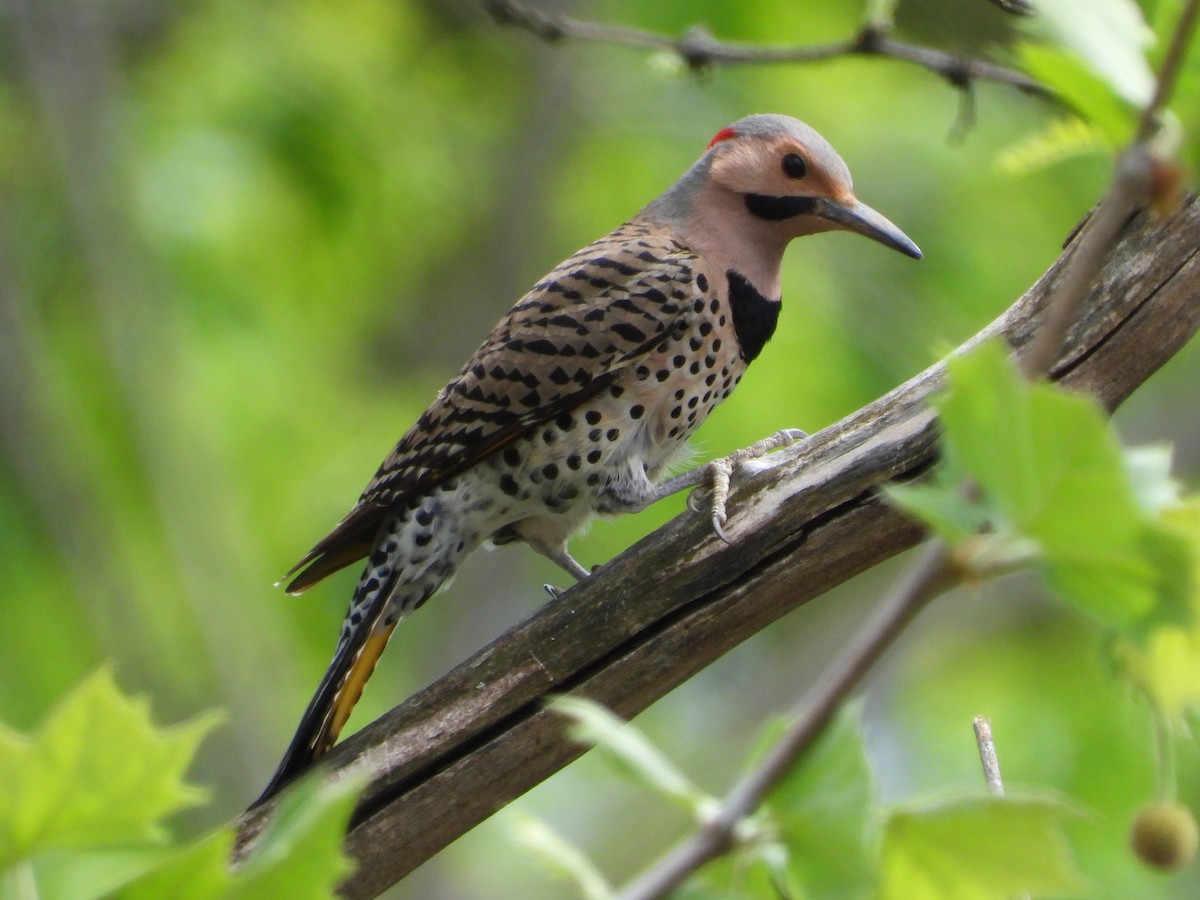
pixel 723 135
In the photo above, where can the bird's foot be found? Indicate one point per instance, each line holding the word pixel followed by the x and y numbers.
pixel 556 592
pixel 719 472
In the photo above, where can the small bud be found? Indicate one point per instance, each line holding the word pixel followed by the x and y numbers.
pixel 1164 836
pixel 1167 186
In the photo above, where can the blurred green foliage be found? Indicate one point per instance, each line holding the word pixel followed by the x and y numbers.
pixel 85 797
pixel 242 245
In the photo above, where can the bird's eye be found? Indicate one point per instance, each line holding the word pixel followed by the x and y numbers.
pixel 794 166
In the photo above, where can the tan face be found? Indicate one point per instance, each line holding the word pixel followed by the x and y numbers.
pixel 795 180
pixel 780 166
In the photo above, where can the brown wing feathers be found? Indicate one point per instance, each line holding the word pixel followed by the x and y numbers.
pixel 560 345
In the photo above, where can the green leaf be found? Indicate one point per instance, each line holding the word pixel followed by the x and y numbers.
pixel 300 856
pixel 1058 141
pixel 813 829
pixel 197 871
pixel 1184 520
pixel 822 809
pixel 1053 471
pixel 1110 36
pixel 1111 118
pixel 629 748
pixel 940 506
pixel 758 870
pixel 96 773
pixel 1174 561
pixel 561 857
pixel 983 848
pixel 1166 665
pixel 1021 442
pixel 1089 96
pixel 1166 662
pixel 86 874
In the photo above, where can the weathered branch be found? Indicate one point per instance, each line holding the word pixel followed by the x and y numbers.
pixel 803 521
pixel 700 50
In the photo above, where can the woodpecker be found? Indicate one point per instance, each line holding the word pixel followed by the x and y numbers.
pixel 583 394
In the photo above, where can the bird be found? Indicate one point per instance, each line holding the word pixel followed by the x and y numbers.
pixel 585 392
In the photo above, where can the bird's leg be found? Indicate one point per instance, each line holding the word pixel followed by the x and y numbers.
pixel 556 552
pixel 632 496
pixel 564 559
pixel 715 476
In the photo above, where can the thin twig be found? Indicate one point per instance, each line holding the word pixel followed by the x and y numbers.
pixel 991 765
pixel 1169 73
pixel 700 50
pixel 987 755
pixel 927 578
pixel 1129 192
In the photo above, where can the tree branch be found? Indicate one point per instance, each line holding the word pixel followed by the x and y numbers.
pixel 935 571
pixel 803 521
pixel 700 50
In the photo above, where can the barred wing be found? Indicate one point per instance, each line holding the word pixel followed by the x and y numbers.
pixel 598 312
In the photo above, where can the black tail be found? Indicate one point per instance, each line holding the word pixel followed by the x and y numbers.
pixel 336 695
pixel 401 575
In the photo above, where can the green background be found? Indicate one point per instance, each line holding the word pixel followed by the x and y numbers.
pixel 243 244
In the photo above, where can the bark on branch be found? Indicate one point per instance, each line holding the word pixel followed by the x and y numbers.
pixel 803 521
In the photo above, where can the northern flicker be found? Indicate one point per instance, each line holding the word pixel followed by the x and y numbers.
pixel 583 394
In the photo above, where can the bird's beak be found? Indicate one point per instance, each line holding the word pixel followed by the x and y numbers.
pixel 857 216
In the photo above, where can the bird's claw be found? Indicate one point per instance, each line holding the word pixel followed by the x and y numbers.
pixel 718 526
pixel 554 592
pixel 721 471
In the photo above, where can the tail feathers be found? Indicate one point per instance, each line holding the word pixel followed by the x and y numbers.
pixel 333 702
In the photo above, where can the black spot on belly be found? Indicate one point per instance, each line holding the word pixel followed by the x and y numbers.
pixel 754 316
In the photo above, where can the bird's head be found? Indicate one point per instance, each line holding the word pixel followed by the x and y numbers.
pixel 776 178
pixel 784 172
